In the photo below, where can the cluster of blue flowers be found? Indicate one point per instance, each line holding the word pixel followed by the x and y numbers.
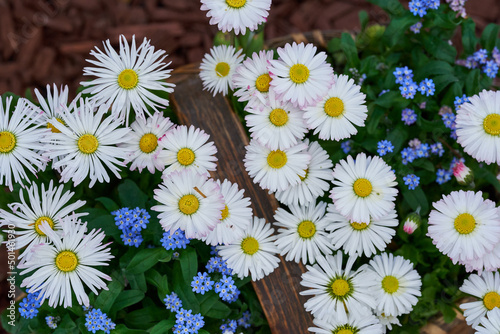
pixel 408 87
pixel 449 122
pixel 412 181
pixel 185 321
pixel 384 147
pixel 416 27
pixel 173 302
pixel 421 150
pixel 460 100
pixel 408 116
pixel 232 325
pixel 346 146
pixel 480 59
pixel 217 264
pixel 131 223
pixel 95 321
pixel 226 289
pixel 174 241
pixel 52 321
pixel 28 308
pixel 420 7
pixel 202 283
pixel 444 175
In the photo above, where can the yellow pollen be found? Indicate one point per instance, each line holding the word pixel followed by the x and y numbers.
pixel 7 142
pixel 305 176
pixel 340 287
pixel 236 3
pixel 66 261
pixel 88 143
pixel 250 245
pixel 299 73
pixel 222 69
pixel 225 212
pixel 359 226
pixel 53 128
pixel 491 124
pixel 306 229
pixel 344 331
pixel 465 223
pixel 128 79
pixel 185 156
pixel 491 300
pixel 362 187
pixel 390 284
pixel 148 143
pixel 262 83
pixel 334 107
pixel 189 204
pixel 39 221
pixel 278 117
pixel 276 159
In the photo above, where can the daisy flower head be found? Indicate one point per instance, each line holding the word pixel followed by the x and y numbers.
pixel 60 269
pixel 337 291
pixel 360 238
pixel 254 253
pixel 125 79
pixel 21 137
pixel 334 117
pixel 49 205
pixel 364 188
pixel 277 125
pixel 142 142
pixel 252 79
pixel 478 126
pixel 489 323
pixel 316 181
pixel 189 201
pixel 300 75
pixel 348 324
pixel 486 287
pixel 56 102
pixel 86 143
pixel 395 284
pixel 237 15
pixel 464 226
pixel 236 215
pixel 387 321
pixel 276 170
pixel 302 235
pixel 219 67
pixel 490 261
pixel 187 148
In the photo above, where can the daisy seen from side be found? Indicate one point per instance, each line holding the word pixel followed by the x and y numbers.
pixel 218 68
pixel 485 287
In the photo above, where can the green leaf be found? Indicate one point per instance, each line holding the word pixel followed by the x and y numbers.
pixel 130 195
pixel 159 281
pixel 106 298
pixel 348 45
pixel 122 329
pixel 334 45
pixel 442 81
pixel 393 7
pixel 449 313
pixel 416 198
pixel 137 281
pixel 363 19
pixel 108 203
pixel 127 298
pixel 397 28
pixel 482 173
pixel 489 36
pixel 218 310
pixel 145 259
pixel 397 137
pixel 189 263
pixel 147 317
pixel 66 326
pixel 374 119
pixel 183 289
pixel 106 222
pixel 469 39
pixel 434 68
pixel 163 327
pixel 440 49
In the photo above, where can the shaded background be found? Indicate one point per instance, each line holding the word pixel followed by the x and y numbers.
pixel 46 41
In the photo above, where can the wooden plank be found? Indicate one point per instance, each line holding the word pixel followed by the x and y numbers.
pixel 279 292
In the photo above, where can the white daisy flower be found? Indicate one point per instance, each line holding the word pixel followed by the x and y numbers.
pixel 490 261
pixel 49 206
pixel 387 321
pixel 254 253
pixel 316 181
pixel 279 125
pixel 478 126
pixel 337 291
pixel 237 15
pixel 60 268
pixel 278 169
pixel 364 188
pixel 361 238
pixel 348 324
pixel 236 215
pixel 189 201
pixel 490 323
pixel 335 115
pixel 187 148
pixel 218 68
pixel 252 80
pixel 57 101
pixel 142 142
pixel 464 226
pixel 395 284
pixel 300 75
pixel 20 141
pixel 486 287
pixel 126 79
pixel 86 143
pixel 303 237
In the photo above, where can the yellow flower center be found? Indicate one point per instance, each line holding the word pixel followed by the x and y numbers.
pixel 185 156
pixel 148 143
pixel 276 159
pixel 236 3
pixel 491 300
pixel 390 284
pixel 189 204
pixel 88 143
pixel 362 187
pixel 222 69
pixel 305 176
pixel 465 223
pixel 53 128
pixel 299 73
pixel 250 245
pixel 278 117
pixel 7 142
pixel 262 83
pixel 66 261
pixel 334 107
pixel 491 124
pixel 344 331
pixel 39 221
pixel 306 229
pixel 128 79
pixel 359 226
pixel 340 287
pixel 225 212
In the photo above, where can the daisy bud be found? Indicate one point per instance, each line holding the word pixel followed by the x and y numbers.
pixel 412 222
pixel 463 174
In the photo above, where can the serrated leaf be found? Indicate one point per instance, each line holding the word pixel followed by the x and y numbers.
pixel 145 259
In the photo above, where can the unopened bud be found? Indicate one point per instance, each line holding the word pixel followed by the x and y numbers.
pixel 412 222
pixel 463 174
